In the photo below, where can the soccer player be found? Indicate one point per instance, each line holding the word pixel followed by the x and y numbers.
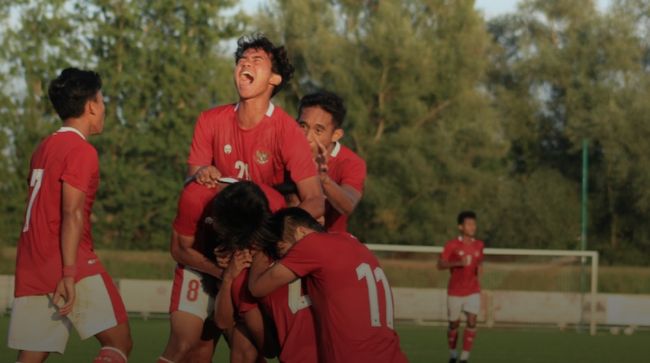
pixel 463 256
pixel 288 306
pixel 193 335
pixel 352 302
pixel 254 139
pixel 342 172
pixel 60 282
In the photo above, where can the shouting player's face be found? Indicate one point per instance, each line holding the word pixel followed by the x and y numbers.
pixel 468 228
pixel 319 128
pixel 254 76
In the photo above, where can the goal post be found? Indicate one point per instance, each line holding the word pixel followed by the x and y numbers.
pixel 530 275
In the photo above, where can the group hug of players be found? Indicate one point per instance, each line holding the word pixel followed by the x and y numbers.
pixel 264 259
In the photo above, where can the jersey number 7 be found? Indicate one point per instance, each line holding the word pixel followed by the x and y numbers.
pixel 35 182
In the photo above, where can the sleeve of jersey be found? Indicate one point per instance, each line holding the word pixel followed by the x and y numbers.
pixel 242 299
pixel 446 253
pixel 303 258
pixel 201 149
pixel 297 153
pixel 354 174
pixel 80 166
pixel 188 214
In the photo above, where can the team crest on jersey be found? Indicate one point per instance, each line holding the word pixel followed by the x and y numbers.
pixel 261 157
pixel 461 253
pixel 227 149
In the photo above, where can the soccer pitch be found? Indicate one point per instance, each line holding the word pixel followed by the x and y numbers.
pixel 421 344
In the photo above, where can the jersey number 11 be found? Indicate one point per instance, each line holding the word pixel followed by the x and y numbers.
pixel 365 272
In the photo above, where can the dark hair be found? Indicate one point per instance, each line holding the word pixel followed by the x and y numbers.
pixel 287 188
pixel 330 102
pixel 279 60
pixel 468 214
pixel 281 227
pixel 238 215
pixel 70 91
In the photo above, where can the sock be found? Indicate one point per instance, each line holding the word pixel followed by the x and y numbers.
pixel 452 337
pixel 110 355
pixel 453 354
pixel 468 341
pixel 163 360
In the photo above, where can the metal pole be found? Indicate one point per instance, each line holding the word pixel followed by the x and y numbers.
pixel 583 223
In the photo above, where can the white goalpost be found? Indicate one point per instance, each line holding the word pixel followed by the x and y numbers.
pixel 519 286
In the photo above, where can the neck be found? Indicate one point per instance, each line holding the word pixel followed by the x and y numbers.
pixel 79 124
pixel 252 111
pixel 468 239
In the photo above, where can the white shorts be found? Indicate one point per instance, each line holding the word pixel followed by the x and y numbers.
pixel 37 326
pixel 458 304
pixel 189 295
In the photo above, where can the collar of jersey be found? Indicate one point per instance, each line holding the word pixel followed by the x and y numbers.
pixel 269 111
pixel 71 129
pixel 460 238
pixel 336 149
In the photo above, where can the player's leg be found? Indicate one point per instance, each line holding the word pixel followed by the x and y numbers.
pixel 36 329
pixel 454 309
pixel 242 349
pixel 116 344
pixel 204 349
pixel 471 306
pixel 190 306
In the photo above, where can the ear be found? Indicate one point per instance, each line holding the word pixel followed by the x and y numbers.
pixel 92 106
pixel 300 232
pixel 275 79
pixel 337 135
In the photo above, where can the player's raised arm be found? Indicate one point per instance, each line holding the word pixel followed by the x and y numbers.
pixel 224 310
pixel 344 197
pixel 183 252
pixel 311 195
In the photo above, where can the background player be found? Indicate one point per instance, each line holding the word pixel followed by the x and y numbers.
pixel 59 280
pixel 342 172
pixel 351 299
pixel 463 256
pixel 253 139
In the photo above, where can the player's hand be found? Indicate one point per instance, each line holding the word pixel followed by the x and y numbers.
pixel 322 157
pixel 65 292
pixel 223 257
pixel 239 261
pixel 467 260
pixel 208 176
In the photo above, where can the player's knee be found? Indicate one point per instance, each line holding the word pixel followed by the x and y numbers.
pixel 454 324
pixel 471 323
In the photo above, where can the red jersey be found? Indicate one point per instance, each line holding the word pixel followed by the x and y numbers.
pixel 289 308
pixel 344 167
pixel 463 280
pixel 63 157
pixel 261 154
pixel 351 298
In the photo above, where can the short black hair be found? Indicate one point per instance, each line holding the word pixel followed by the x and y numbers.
pixel 70 91
pixel 462 216
pixel 238 216
pixel 330 102
pixel 281 227
pixel 280 63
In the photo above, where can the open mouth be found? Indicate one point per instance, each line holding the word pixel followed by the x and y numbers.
pixel 247 76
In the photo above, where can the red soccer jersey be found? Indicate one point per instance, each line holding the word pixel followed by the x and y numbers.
pixel 63 157
pixel 289 309
pixel 351 298
pixel 463 280
pixel 344 167
pixel 260 154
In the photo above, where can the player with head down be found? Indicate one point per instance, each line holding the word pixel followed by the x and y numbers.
pixel 352 302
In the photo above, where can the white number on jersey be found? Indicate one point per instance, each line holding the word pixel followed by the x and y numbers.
pixel 297 301
pixel 243 170
pixel 37 178
pixel 365 272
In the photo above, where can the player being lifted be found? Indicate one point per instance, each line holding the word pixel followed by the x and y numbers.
pixel 463 256
pixel 342 172
pixel 60 282
pixel 253 139
pixel 352 302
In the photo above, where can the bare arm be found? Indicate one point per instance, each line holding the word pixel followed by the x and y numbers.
pixel 181 249
pixel 443 265
pixel 224 311
pixel 343 198
pixel 270 280
pixel 72 224
pixel 311 195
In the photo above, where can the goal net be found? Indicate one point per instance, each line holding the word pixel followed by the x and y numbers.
pixel 519 286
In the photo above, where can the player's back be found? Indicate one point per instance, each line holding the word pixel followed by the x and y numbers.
pixel 352 300
pixel 64 156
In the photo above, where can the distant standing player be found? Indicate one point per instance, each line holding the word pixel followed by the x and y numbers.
pixel 59 280
pixel 463 256
pixel 342 172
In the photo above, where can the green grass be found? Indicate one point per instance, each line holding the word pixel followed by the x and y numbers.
pixel 406 270
pixel 421 344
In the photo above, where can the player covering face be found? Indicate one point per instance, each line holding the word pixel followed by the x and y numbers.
pixel 351 299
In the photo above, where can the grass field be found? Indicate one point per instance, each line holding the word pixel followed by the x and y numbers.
pixel 421 344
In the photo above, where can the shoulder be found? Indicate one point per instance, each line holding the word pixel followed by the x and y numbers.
pixel 282 119
pixel 217 113
pixel 480 244
pixel 451 243
pixel 347 154
pixel 195 195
